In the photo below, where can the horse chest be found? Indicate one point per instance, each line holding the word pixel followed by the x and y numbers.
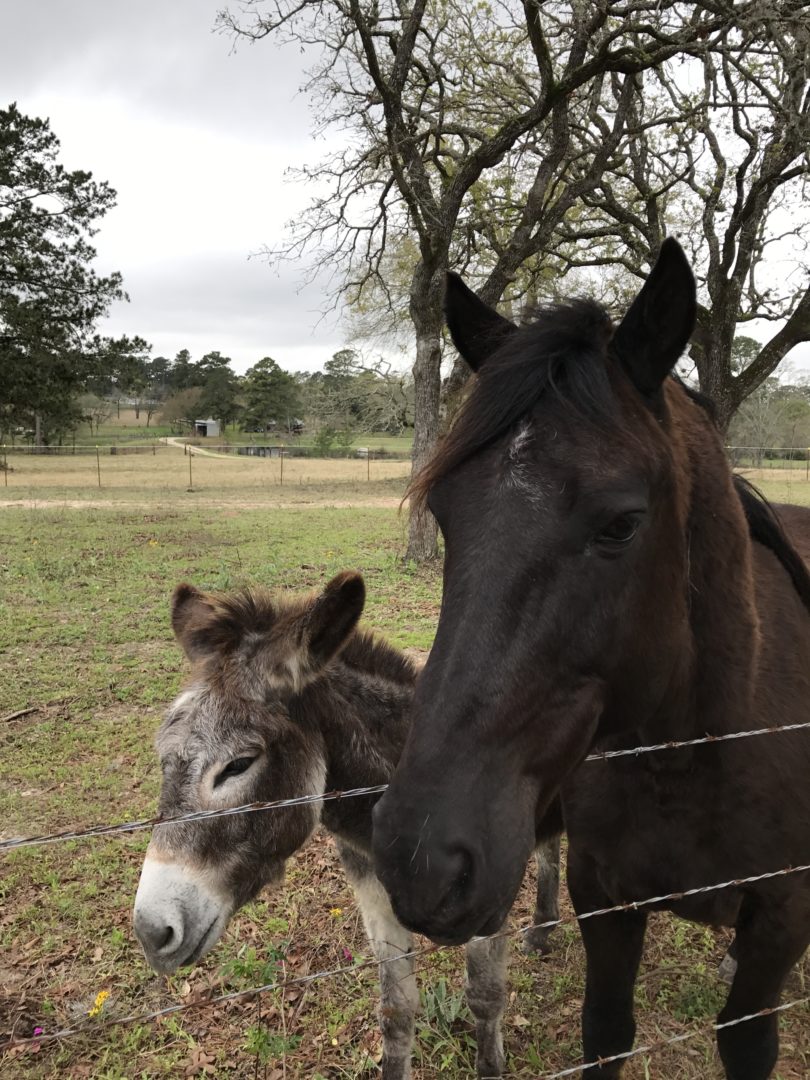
pixel 649 833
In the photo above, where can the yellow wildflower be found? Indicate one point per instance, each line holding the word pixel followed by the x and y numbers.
pixel 98 1004
pixel 336 912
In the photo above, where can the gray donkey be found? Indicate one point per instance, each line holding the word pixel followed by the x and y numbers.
pixel 288 698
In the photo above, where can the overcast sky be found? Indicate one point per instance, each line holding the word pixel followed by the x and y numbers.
pixel 195 139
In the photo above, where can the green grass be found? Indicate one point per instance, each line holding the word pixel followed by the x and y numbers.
pixel 85 641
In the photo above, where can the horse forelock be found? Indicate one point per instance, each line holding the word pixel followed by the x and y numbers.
pixel 563 350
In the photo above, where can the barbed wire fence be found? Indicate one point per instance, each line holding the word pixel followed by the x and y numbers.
pixel 303 980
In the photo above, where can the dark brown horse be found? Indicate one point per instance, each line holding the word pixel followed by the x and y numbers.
pixel 288 698
pixel 606 584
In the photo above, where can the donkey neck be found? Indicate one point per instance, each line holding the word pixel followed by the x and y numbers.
pixel 361 707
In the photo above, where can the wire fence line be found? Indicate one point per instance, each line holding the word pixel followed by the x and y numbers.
pixel 346 969
pixel 81 833
pixel 626 906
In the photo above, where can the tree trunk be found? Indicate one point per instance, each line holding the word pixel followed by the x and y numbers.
pixel 426 312
pixel 37 429
pixel 713 363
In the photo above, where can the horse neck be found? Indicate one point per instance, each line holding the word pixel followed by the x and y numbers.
pixel 361 706
pixel 718 677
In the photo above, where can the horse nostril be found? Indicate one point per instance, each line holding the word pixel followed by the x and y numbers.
pixel 458 873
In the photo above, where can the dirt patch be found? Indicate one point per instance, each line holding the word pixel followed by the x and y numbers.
pixel 384 503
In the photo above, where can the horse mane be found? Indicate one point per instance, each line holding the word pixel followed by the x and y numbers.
pixel 763 521
pixel 765 527
pixel 563 349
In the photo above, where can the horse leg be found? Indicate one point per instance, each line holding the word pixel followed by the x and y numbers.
pixel 399 996
pixel 613 947
pixel 547 858
pixel 768 944
pixel 486 996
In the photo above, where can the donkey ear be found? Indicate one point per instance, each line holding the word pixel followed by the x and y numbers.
pixel 334 615
pixel 654 332
pixel 191 612
pixel 476 329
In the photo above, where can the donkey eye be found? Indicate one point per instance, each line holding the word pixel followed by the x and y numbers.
pixel 619 532
pixel 234 768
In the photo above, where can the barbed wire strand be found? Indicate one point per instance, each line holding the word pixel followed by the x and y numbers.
pixel 607 755
pixel 300 980
pixel 653 1048
pixel 303 800
pixel 196 815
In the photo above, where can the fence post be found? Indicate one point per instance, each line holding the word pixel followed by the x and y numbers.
pixel 98 465
pixel 190 481
pixel 282 465
pixel 807 463
pixel 5 464
pixel 368 466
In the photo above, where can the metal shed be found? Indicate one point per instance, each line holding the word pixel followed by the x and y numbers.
pixel 207 428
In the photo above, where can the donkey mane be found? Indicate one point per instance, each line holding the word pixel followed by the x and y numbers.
pixel 562 348
pixel 366 651
pixel 230 617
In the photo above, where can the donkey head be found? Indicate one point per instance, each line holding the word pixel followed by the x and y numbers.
pixel 228 739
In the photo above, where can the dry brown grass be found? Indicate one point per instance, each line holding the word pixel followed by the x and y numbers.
pixel 163 478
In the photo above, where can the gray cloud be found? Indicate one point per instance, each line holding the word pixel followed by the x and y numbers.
pixel 240 307
pixel 162 56
pixel 195 138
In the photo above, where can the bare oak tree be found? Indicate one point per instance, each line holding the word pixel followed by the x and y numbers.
pixel 730 178
pixel 432 98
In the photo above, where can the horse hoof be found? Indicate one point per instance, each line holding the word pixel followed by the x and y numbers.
pixel 727 969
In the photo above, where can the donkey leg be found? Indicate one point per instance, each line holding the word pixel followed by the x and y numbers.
pixel 547 909
pixel 486 996
pixel 728 965
pixel 613 947
pixel 768 944
pixel 399 996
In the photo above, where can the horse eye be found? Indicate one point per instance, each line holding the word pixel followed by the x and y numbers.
pixel 234 768
pixel 619 531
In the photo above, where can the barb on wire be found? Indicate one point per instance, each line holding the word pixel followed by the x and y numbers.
pixel 300 980
pixel 607 755
pixel 303 800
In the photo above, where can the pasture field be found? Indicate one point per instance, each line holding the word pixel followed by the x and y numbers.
pixel 86 646
pixel 162 480
pixel 126 428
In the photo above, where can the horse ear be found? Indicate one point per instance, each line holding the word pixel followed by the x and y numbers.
pixel 653 334
pixel 333 616
pixel 477 330
pixel 191 614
